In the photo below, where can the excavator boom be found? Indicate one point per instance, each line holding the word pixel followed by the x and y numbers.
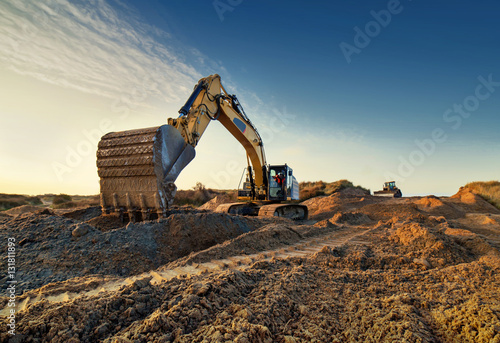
pixel 210 101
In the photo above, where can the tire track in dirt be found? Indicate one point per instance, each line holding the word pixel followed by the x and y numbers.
pixel 73 289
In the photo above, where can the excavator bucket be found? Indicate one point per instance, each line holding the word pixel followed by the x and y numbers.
pixel 138 168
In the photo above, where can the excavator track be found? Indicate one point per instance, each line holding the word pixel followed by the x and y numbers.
pixel 291 211
pixel 239 208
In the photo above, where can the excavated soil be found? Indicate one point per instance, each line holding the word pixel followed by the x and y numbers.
pixel 362 269
pixel 56 248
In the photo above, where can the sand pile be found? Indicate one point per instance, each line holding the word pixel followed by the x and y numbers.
pixel 212 204
pixel 435 206
pixel 352 218
pixel 84 214
pixel 430 201
pixel 324 207
pixel 467 197
pixel 393 209
pixel 471 202
pixel 489 221
pixel 56 248
pixel 22 209
pixel 266 238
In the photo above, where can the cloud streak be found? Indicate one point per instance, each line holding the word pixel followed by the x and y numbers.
pixel 96 48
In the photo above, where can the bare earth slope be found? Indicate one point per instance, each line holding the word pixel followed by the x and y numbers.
pixel 362 269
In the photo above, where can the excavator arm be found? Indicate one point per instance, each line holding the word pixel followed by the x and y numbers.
pixel 210 101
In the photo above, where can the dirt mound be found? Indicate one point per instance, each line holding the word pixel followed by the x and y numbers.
pixel 325 207
pixel 430 201
pixel 466 196
pixel 428 246
pixel 352 218
pixel 55 248
pixel 212 204
pixel 84 214
pixel 488 190
pixel 354 191
pixel 22 209
pixel 439 207
pixel 106 222
pixel 472 202
pixel 271 236
pixel 393 210
pixel 188 233
pixel 112 221
pixel 489 221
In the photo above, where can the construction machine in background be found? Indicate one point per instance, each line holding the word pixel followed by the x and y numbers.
pixel 138 168
pixel 390 190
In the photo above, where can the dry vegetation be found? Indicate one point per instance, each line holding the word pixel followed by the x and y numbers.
pixel 490 191
pixel 66 201
pixel 313 189
pixel 194 197
pixel 8 201
pixel 199 195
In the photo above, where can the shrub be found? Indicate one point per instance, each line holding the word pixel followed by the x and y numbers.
pixel 76 201
pixel 198 195
pixel 313 189
pixel 61 199
pixel 8 201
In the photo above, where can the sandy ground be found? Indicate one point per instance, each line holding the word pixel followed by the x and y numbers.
pixel 361 269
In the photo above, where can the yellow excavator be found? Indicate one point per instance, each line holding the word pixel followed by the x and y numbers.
pixel 138 168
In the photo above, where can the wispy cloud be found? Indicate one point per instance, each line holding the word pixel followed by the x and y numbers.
pixel 95 47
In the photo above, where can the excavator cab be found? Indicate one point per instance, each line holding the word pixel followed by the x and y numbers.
pixel 282 184
pixel 390 186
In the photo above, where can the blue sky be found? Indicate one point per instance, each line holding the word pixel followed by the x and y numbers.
pixel 74 70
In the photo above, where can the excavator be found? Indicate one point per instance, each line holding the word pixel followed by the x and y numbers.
pixel 138 168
